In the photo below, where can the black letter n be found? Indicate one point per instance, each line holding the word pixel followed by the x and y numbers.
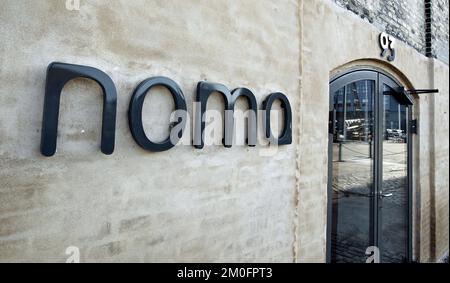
pixel 58 75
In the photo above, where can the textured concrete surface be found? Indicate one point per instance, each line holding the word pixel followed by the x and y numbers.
pixel 183 205
pixel 188 205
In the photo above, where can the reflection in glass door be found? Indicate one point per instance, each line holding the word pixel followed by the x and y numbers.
pixel 393 222
pixel 352 170
pixel 368 169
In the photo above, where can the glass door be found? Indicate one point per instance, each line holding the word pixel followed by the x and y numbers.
pixel 368 182
pixel 393 204
pixel 352 168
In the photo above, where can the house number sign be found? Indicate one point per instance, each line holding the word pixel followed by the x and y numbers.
pixel 388 46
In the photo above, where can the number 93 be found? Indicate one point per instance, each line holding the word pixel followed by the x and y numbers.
pixel 387 43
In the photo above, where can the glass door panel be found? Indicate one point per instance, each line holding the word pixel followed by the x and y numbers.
pixel 352 171
pixel 393 204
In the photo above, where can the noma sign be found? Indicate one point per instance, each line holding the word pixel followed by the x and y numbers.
pixel 59 74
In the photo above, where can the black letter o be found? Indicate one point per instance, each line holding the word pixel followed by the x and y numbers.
pixel 135 112
pixel 286 136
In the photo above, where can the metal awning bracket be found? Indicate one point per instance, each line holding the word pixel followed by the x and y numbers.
pixel 422 91
pixel 405 96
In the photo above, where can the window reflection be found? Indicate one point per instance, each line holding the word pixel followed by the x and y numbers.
pixel 395 120
pixel 352 171
pixel 393 240
pixel 355 117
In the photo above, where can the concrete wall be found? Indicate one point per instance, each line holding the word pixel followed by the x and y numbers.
pixel 187 205
pixel 183 205
pixel 440 222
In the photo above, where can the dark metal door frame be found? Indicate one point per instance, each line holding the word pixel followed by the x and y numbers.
pixel 379 78
pixel 385 79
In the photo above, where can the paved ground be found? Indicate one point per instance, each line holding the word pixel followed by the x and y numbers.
pixel 350 251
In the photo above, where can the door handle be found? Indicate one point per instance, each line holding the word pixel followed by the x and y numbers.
pixel 332 122
pixel 386 195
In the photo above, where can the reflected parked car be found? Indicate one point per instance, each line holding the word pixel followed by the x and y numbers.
pixel 396 135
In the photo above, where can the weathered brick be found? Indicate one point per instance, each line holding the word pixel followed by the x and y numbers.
pixel 397 17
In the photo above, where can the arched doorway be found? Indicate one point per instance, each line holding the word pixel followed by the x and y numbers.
pixel 369 180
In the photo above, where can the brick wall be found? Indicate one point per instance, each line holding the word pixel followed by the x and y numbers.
pixel 406 20
pixel 439 30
